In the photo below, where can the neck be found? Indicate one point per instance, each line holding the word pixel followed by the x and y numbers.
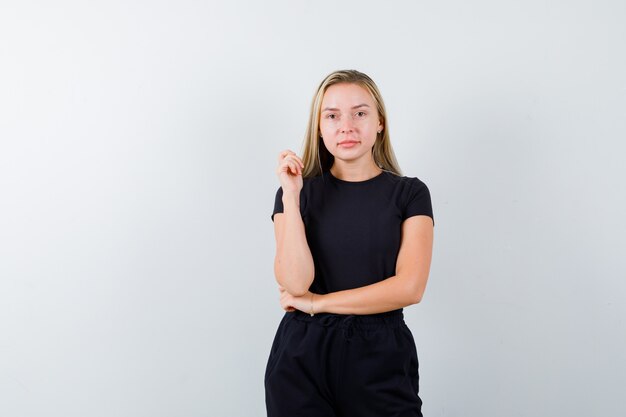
pixel 349 172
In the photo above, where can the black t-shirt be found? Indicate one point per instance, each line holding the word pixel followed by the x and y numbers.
pixel 353 229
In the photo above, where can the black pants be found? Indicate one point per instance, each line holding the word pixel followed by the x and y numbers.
pixel 336 365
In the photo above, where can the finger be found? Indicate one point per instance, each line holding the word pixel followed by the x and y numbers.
pixel 297 166
pixel 292 155
pixel 291 166
pixel 283 154
pixel 300 161
pixel 297 158
pixel 284 167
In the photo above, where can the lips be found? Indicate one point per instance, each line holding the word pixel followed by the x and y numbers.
pixel 348 142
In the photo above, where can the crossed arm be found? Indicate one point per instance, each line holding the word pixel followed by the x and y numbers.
pixel 404 288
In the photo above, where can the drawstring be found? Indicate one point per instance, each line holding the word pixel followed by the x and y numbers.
pixel 326 320
pixel 347 323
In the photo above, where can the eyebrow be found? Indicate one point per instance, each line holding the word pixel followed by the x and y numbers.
pixel 353 107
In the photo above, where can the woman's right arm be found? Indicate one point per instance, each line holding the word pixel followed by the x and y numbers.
pixel 293 263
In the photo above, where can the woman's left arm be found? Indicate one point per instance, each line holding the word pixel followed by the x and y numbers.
pixel 404 288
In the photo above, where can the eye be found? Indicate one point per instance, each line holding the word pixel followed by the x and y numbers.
pixel 361 112
pixel 330 116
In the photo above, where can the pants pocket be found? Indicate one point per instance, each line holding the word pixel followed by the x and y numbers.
pixel 278 343
pixel 414 362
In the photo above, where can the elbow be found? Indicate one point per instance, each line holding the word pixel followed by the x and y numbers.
pixel 417 298
pixel 415 292
pixel 296 283
pixel 298 292
pixel 294 287
pixel 295 290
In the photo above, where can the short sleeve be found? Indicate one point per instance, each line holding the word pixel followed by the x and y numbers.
pixel 419 201
pixel 278 202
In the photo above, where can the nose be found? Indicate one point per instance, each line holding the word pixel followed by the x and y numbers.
pixel 346 125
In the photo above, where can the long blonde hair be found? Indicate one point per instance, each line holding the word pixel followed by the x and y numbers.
pixel 316 157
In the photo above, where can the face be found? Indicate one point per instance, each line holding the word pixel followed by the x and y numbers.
pixel 349 121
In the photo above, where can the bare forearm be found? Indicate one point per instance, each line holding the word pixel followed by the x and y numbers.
pixel 386 295
pixel 293 264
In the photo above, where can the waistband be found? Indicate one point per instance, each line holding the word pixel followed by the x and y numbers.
pixel 392 318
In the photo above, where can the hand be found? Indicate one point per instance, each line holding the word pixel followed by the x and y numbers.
pixel 289 171
pixel 290 303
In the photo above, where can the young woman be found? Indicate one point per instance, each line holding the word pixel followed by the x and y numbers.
pixel 353 247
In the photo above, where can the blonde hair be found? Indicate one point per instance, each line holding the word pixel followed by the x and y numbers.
pixel 316 157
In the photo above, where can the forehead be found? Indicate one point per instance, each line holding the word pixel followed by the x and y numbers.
pixel 346 95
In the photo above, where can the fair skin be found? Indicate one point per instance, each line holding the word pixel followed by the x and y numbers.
pixel 293 264
pixel 349 114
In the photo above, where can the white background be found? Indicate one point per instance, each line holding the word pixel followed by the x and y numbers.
pixel 138 147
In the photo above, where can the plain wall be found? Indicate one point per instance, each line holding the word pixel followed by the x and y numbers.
pixel 138 148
